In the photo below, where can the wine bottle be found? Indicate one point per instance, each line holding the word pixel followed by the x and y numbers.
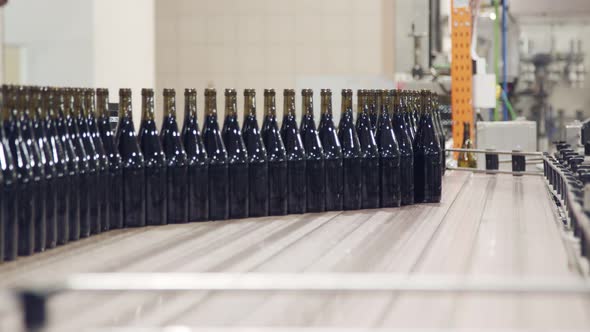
pixel 334 172
pixel 257 160
pixel 198 162
pixel 406 110
pixel 115 162
pixel 389 155
pixel 10 194
pixel 441 131
pixel 296 175
pixel 370 152
pixel 134 187
pixel 154 161
pixel 404 142
pixel 50 188
pixel 277 157
pixel 351 155
pixel 177 163
pixel 237 158
pixel 427 160
pixel 103 160
pixel 72 165
pixel 218 160
pixel 27 204
pixel 373 111
pixel 38 167
pixel 315 173
pixel 93 177
pixel 58 156
pixel 414 102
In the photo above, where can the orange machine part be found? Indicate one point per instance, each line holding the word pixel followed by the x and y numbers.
pixel 461 70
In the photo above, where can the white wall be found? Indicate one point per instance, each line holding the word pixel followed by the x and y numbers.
pixel 124 47
pixel 57 39
pixel 271 44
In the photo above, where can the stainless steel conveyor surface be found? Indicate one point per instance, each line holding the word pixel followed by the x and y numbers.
pixel 486 225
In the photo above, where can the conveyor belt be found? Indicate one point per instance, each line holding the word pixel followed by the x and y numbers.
pixel 500 226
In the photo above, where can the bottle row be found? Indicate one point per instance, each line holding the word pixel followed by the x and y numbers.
pixel 66 175
pixel 568 173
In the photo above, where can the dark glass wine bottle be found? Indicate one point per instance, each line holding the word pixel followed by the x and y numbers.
pixel 218 160
pixel 27 203
pixel 315 172
pixel 441 131
pixel 176 161
pixel 38 167
pixel 257 161
pixel 237 158
pixel 134 188
pixel 276 155
pixel 93 178
pixel 389 154
pixel 50 193
pixel 414 102
pixel 370 170
pixel 334 172
pixel 76 194
pixel 115 162
pixel 373 111
pixel 296 175
pixel 406 110
pixel 404 142
pixel 58 156
pixel 427 160
pixel 154 161
pixel 103 161
pixel 10 195
pixel 198 162
pixel 351 155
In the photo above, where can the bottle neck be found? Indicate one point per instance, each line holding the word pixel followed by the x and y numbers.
pixel 397 102
pixel 90 104
pixel 190 105
pixel 147 107
pixel 22 103
pixel 307 103
pixel 270 108
pixel 250 105
pixel 327 104
pixel 68 103
pixel 125 107
pixel 361 103
pixel 346 103
pixel 211 105
pixel 380 104
pixel 102 105
pixel 231 108
pixel 169 106
pixel 48 102
pixel 372 101
pixel 79 107
pixel 466 132
pixel 289 105
pixel 36 105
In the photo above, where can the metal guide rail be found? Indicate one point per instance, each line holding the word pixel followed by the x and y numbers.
pixel 492 161
pixel 575 218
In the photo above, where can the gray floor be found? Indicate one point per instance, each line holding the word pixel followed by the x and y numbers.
pixel 485 226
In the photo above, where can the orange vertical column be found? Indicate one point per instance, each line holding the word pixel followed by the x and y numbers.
pixel 461 70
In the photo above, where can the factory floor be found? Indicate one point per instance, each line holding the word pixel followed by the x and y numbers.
pixel 486 225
